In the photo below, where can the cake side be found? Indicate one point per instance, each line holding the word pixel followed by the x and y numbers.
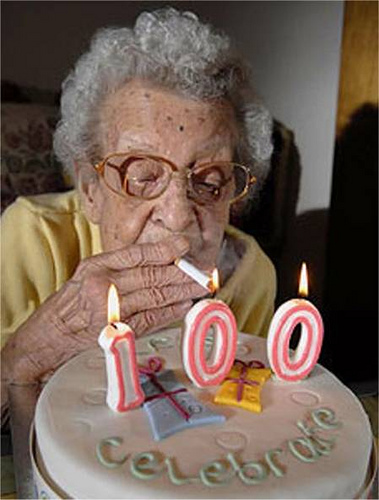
pixel 73 424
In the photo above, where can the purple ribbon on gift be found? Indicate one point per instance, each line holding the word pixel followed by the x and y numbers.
pixel 154 366
pixel 241 380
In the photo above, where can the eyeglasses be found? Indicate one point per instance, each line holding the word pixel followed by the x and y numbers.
pixel 147 176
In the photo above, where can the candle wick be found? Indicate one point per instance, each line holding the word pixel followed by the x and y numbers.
pixel 114 325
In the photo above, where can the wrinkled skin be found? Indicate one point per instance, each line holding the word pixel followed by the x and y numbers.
pixel 188 133
pixel 140 238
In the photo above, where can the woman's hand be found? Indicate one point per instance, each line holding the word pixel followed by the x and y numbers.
pixel 153 293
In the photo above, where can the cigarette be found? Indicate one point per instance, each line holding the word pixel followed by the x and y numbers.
pixel 193 272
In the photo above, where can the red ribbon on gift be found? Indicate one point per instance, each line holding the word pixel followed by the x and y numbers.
pixel 241 380
pixel 254 363
pixel 154 366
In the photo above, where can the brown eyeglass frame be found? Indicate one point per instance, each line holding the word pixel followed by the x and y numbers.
pixel 100 169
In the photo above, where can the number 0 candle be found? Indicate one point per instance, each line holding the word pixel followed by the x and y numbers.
pixel 297 366
pixel 198 321
pixel 117 340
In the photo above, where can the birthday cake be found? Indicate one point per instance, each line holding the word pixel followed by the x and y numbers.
pixel 307 439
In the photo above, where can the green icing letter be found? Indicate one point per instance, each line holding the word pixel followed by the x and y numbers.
pixel 325 418
pixel 261 471
pixel 275 467
pixel 110 464
pixel 306 443
pixel 215 474
pixel 146 466
pixel 323 446
pixel 173 476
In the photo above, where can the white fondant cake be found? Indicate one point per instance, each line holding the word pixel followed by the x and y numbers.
pixel 261 455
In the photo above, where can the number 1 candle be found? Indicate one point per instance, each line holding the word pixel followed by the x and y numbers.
pixel 291 313
pixel 117 340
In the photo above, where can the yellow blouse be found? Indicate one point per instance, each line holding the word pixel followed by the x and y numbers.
pixel 44 237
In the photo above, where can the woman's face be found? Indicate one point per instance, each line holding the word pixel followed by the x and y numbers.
pixel 141 117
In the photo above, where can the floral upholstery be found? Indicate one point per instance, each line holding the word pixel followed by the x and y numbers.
pixel 28 165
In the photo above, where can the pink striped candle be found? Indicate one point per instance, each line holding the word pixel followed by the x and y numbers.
pixel 297 366
pixel 203 316
pixel 117 339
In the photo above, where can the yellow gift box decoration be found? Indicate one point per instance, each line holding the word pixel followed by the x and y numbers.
pixel 242 387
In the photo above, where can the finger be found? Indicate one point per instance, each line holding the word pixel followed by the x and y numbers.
pixel 154 319
pixel 161 253
pixel 150 298
pixel 130 280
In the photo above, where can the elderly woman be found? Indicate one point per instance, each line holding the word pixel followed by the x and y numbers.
pixel 163 135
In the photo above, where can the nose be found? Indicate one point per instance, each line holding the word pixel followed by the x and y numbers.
pixel 174 209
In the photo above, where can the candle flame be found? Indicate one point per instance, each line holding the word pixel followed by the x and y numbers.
pixel 215 281
pixel 303 282
pixel 113 305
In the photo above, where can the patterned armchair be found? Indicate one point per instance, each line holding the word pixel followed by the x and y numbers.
pixel 27 163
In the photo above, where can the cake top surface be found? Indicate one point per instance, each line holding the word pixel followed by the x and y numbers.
pixel 73 424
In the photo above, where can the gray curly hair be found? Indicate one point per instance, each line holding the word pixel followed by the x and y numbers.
pixel 176 51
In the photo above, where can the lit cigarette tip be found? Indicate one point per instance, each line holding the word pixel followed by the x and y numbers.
pixel 214 282
pixel 199 276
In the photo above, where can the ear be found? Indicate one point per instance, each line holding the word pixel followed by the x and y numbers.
pixel 91 194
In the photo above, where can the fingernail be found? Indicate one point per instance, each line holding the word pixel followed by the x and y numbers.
pixel 186 305
pixel 181 245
